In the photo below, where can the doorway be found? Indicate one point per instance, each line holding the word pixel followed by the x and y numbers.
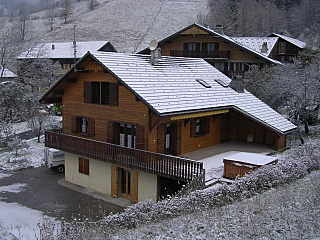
pixel 170 138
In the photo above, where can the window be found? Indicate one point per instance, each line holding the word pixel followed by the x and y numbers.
pixel 83 165
pixel 282 47
pixel 200 126
pixel 210 46
pixel 101 93
pixel 66 67
pixel 127 135
pixel 82 125
pixel 191 46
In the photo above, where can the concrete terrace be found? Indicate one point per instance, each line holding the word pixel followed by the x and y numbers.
pixel 212 157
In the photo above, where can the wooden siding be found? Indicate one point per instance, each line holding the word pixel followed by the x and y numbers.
pixel 128 110
pixel 236 53
pixel 187 142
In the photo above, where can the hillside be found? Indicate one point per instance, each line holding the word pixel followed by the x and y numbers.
pixel 128 25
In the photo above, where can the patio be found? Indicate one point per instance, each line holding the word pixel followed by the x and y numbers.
pixel 212 157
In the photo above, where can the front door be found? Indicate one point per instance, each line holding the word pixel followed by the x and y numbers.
pixel 124 183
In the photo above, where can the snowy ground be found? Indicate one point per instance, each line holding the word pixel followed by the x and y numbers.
pixel 17 221
pixel 288 212
pixel 32 156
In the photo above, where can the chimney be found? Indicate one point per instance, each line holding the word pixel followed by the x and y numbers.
pixel 264 48
pixel 155 56
pixel 237 84
pixel 219 29
pixel 52 47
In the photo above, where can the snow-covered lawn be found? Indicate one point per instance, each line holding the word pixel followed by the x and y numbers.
pixel 33 156
pixel 20 222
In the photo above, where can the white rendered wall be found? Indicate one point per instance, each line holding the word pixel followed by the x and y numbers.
pixel 99 178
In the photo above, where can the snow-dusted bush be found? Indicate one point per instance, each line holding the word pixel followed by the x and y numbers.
pixel 16 144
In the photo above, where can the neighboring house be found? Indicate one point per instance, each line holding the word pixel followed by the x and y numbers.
pixel 224 53
pixel 276 46
pixel 6 75
pixel 63 52
pixel 126 119
pixel 42 65
pixel 287 48
pixel 231 55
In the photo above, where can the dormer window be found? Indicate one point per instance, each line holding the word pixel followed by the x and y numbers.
pixel 203 83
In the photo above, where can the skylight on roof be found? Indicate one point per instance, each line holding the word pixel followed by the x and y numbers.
pixel 222 83
pixel 203 83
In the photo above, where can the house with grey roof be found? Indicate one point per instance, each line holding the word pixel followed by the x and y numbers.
pixel 66 53
pixel 129 118
pixel 231 55
pixel 6 75
pixel 226 54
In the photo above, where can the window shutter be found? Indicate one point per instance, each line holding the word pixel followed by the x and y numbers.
pixel 140 137
pixel 185 46
pixel 161 138
pixel 110 132
pixel 74 124
pixel 91 131
pixel 86 166
pixel 178 147
pixel 113 94
pixel 114 181
pixel 80 161
pixel 116 133
pixel 216 46
pixel 87 92
pixel 193 124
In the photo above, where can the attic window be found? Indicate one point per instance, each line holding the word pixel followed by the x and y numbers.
pixel 203 83
pixel 222 83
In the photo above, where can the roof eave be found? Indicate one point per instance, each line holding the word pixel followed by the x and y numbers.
pixel 63 77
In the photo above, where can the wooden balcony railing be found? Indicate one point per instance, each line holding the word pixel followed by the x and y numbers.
pixel 201 54
pixel 162 165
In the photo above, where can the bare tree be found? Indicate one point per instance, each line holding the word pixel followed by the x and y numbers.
pixel 294 88
pixel 66 10
pixel 51 16
pixel 37 125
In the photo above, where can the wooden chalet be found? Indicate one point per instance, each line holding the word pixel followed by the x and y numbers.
pixel 275 46
pixel 127 120
pixel 224 53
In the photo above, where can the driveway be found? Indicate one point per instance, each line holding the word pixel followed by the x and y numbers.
pixel 42 192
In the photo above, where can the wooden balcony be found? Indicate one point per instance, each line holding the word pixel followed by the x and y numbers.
pixel 201 54
pixel 162 165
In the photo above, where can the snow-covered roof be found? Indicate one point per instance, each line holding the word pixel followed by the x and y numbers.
pixel 62 49
pixel 171 88
pixel 294 41
pixel 7 73
pixel 255 43
pixel 224 37
pixel 251 158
